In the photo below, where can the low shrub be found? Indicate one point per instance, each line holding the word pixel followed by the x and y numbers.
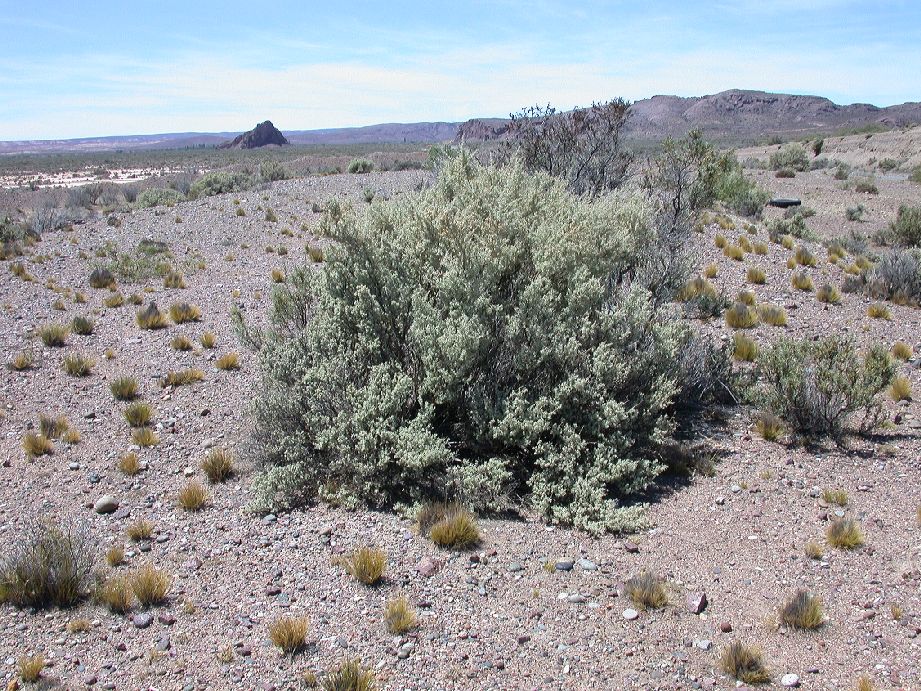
pixel 744 664
pixel 360 165
pixel 366 565
pixel 646 591
pixel 82 326
pixel 289 634
pixel 896 276
pixel 866 187
pixel 791 156
pixel 855 213
pixel 102 278
pixel 817 387
pixel 906 229
pixel 802 611
pixel 158 196
pixel 150 585
pixel 827 293
pixel 804 257
pixel 219 182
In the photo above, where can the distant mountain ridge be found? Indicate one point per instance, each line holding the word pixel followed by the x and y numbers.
pixel 732 114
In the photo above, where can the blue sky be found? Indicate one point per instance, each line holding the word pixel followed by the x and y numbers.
pixel 73 69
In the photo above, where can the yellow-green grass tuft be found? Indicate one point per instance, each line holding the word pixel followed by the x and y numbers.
pixel 193 496
pixel 182 312
pixel 844 533
pixel 802 611
pixel 741 316
pixel 744 663
pixel 124 388
pixel 646 591
pixel 289 634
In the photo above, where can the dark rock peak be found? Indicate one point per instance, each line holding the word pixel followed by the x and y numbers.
pixel 263 134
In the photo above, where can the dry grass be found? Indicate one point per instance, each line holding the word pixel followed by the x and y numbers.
pixel 787 242
pixel 349 676
pixel 82 326
pixel 802 611
pixel 755 275
pixel 734 252
pixel 814 550
pixel 53 335
pixel 769 426
pixel 896 612
pixel 646 591
pixel 289 634
pixel 741 316
pixel 208 340
pixel 802 281
pixel 278 276
pixel 744 663
pixel 150 585
pixel 181 343
pixel 52 426
pixel 746 297
pixel 828 294
pixel 139 414
pixel 124 388
pixel 744 348
pixel 22 361
pixel 400 616
pixel 761 248
pixel 116 594
pixel 791 263
pixel 720 241
pixel 173 280
pixel 102 278
pixel 878 310
pixel 114 300
pixel 193 496
pixel 151 318
pixel 901 351
pixel 30 668
pixel 228 361
pixel 710 271
pixel 79 625
pixel 900 389
pixel 804 257
pixel 36 445
pixel 128 464
pixel 837 497
pixel 449 525
pixel 844 533
pixel 772 314
pixel 78 365
pixel 72 436
pixel 115 556
pixel 135 299
pixel 182 312
pixel 744 243
pixel 141 529
pixel 366 565
pixel 182 377
pixel 864 683
pixel 696 287
pixel 218 465
pixel 144 437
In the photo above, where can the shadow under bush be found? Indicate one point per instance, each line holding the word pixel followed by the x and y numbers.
pixel 493 336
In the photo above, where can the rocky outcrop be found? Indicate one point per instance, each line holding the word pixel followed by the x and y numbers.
pixel 263 134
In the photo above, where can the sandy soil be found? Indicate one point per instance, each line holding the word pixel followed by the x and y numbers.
pixel 493 619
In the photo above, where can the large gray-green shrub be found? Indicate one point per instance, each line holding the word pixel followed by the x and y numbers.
pixel 219 182
pixel 493 336
pixel 790 156
pixel 824 387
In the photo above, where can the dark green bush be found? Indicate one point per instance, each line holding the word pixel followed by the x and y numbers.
pixel 476 340
pixel 360 165
pixel 816 387
pixel 157 196
pixel 906 229
pixel 219 182
pixel 792 156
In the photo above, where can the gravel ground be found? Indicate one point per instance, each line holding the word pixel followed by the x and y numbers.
pixel 498 618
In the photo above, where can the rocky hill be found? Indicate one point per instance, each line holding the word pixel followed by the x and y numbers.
pixel 264 134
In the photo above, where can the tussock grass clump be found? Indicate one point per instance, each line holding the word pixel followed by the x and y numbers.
pixel 744 663
pixel 315 253
pixel 182 312
pixel 102 278
pixel 760 248
pixel 228 361
pixel 173 280
pixel 769 426
pixel 399 615
pixel 695 288
pixel 129 464
pixel 135 299
pixel 124 388
pixel 150 585
pixel 144 437
pixel 741 316
pixel 114 300
pixel 844 533
pixel 349 676
pixel 50 566
pixel 218 465
pixel 772 314
pixel 52 426
pixel 814 550
pixel 36 445
pixel 755 275
pixel 744 348
pixel 278 276
pixel 193 496
pixel 30 668
pixel 744 243
pixel 900 389
pixel 82 326
pixel 802 281
pixel 116 594
pixel 115 556
pixel 208 340
pixel 151 318
pixel 720 241
pixel 835 496
pixel 901 351
pixel 827 293
pixel 141 529
pixel 710 271
pixel 181 343
pixel 448 525
pixel 787 242
pixel 802 611
pixel 864 683
pixel 734 252
pixel 53 335
pixel 79 625
pixel 366 565
pixel 139 414
pixel 182 377
pixel 72 436
pixel 22 361
pixel 746 297
pixel 289 634
pixel 878 310
pixel 78 365
pixel 646 591
pixel 804 257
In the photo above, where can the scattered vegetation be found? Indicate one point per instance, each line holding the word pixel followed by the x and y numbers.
pixel 228 361
pixel 141 529
pixel 181 343
pixel 400 616
pixel 289 634
pixel 144 437
pixel 755 275
pixel 30 668
pixel 900 389
pixel 646 591
pixel 116 593
pixel 150 585
pixel 878 310
pixel 115 556
pixel 744 663
pixel 37 445
pixel 53 335
pixel 744 348
pixel 802 281
pixel 827 293
pixel 218 465
pixel 152 318
pixel 139 414
pixel 366 565
pixel 360 165
pixel 802 611
pixel 193 496
pixel 182 312
pixel 78 365
pixel 901 351
pixel 769 426
pixel 835 496
pixel 82 326
pixel 182 377
pixel 22 361
pixel 349 676
pixel 741 316
pixel 844 533
pixel 173 279
pixel 129 464
pixel 208 340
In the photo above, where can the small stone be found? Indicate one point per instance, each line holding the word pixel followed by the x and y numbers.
pixel 703 644
pixel 631 614
pixel 726 627
pixel 524 638
pixel 166 619
pixel 143 620
pixel 696 602
pixel 515 567
pixel 587 565
pixel 631 547
pixel 272 590
pixel 564 564
pixel 427 567
pixel 163 644
pixel 735 489
pixel 73 466
pixel 789 680
pixel 106 504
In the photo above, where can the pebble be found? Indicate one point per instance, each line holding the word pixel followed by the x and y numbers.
pixel 564 564
pixel 631 614
pixel 143 620
pixel 427 567
pixel 105 504
pixel 789 680
pixel 515 567
pixel 703 644
pixel 697 602
pixel 587 565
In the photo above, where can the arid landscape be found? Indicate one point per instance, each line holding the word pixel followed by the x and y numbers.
pixel 128 418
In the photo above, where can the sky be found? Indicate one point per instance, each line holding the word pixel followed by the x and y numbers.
pixel 96 68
